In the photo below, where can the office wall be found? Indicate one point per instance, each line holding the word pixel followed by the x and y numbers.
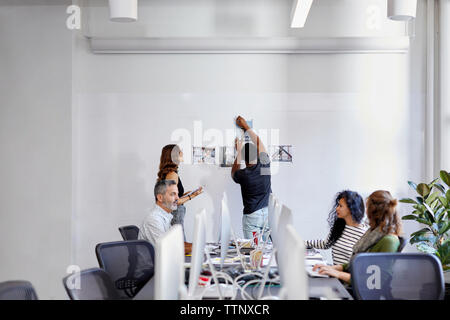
pixel 35 144
pixel 348 116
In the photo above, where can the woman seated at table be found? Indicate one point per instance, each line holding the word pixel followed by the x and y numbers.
pixel 171 157
pixel 345 220
pixel 382 236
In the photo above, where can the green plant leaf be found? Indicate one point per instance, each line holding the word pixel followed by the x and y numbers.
pixel 420 232
pixel 444 253
pixel 421 208
pixel 447 195
pixel 444 201
pixel 424 221
pixel 412 185
pixel 440 187
pixel 441 217
pixel 445 177
pixel 445 228
pixel 423 238
pixel 430 217
pixel 423 189
pixel 409 217
pixel 419 200
pixel 426 248
pixel 407 200
pixel 432 198
pixel 438 214
pixel 413 240
pixel 429 213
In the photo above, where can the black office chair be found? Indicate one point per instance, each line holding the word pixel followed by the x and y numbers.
pixel 90 284
pixel 129 232
pixel 403 242
pixel 397 276
pixel 17 290
pixel 130 264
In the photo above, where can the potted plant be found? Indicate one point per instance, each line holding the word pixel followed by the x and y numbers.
pixel 432 209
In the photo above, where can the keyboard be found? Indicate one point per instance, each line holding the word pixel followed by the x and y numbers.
pixel 314 274
pixel 212 292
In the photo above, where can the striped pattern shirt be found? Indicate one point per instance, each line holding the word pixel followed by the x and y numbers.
pixel 342 249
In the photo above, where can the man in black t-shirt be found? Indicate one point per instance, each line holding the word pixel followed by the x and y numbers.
pixel 254 180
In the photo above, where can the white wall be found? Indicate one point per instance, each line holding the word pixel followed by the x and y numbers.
pixel 348 117
pixel 35 145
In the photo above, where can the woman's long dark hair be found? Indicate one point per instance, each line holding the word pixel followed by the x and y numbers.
pixel 356 205
pixel 168 161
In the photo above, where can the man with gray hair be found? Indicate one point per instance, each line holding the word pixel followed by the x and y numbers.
pixel 158 221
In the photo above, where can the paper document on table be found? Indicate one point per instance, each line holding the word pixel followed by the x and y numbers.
pixel 311 262
pixel 315 256
pixel 227 261
pixel 266 260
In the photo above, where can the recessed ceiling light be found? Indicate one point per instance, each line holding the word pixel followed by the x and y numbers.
pixel 300 12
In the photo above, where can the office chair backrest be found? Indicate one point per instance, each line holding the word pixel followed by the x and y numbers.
pixel 17 290
pixel 397 276
pixel 90 284
pixel 130 264
pixel 129 232
pixel 403 242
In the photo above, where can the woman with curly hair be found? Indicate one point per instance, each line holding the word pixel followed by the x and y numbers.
pixel 382 235
pixel 345 220
pixel 171 157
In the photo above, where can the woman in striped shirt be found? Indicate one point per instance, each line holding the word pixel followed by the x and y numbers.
pixel 345 220
pixel 385 227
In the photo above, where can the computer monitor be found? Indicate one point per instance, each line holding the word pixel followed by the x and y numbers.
pixel 273 215
pixel 169 265
pixel 271 205
pixel 282 217
pixel 224 230
pixel 294 280
pixel 198 249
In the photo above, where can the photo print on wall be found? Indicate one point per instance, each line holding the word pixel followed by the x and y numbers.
pixel 203 155
pixel 281 153
pixel 227 156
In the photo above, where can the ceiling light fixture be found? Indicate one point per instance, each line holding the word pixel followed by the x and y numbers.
pixel 299 13
pixel 123 10
pixel 401 10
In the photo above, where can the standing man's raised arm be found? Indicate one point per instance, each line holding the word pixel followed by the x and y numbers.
pixel 237 161
pixel 253 136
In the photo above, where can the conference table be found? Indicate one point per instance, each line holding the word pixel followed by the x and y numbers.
pixel 318 287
